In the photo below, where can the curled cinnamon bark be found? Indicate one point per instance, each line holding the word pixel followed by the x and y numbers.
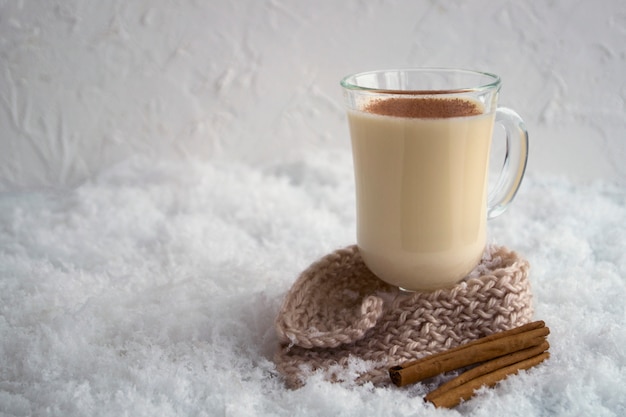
pixel 488 367
pixel 484 349
pixel 452 397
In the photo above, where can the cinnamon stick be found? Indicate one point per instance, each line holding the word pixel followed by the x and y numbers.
pixel 454 396
pixel 483 349
pixel 486 368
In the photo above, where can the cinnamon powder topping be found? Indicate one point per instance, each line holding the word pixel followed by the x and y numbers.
pixel 426 107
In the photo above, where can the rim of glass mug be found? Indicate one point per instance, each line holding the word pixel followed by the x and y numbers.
pixel 467 81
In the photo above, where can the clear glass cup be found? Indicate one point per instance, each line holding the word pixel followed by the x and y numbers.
pixel 421 141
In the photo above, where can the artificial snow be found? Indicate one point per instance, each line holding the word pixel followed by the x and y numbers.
pixel 152 288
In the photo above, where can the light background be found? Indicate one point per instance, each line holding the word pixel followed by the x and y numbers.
pixel 87 84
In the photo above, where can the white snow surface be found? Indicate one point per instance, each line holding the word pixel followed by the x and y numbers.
pixel 152 288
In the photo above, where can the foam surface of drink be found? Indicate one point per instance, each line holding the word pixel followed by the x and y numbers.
pixel 421 184
pixel 427 107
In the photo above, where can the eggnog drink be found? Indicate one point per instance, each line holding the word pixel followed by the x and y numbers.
pixel 421 168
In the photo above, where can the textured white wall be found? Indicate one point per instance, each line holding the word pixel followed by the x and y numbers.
pixel 87 83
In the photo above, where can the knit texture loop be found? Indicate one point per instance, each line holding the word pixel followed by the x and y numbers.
pixel 337 311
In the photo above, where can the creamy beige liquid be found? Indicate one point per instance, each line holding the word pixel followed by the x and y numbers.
pixel 421 184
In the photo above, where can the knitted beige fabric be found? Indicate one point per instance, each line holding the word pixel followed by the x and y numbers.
pixel 338 311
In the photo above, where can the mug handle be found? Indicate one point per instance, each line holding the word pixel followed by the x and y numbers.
pixel 514 164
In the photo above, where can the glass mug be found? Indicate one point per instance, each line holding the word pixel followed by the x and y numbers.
pixel 421 142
